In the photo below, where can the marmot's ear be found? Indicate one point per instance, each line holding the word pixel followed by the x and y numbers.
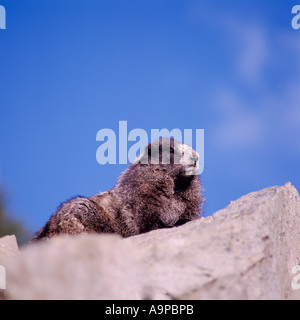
pixel 149 149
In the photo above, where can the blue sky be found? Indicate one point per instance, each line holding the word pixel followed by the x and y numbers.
pixel 70 68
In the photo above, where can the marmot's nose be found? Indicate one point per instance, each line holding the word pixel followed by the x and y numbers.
pixel 195 155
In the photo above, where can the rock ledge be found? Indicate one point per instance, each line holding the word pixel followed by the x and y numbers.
pixel 249 250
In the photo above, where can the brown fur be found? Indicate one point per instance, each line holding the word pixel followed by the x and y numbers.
pixel 146 197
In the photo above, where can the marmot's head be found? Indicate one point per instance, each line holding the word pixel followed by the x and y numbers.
pixel 172 156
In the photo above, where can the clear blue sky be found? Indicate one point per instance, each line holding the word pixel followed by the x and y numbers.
pixel 69 68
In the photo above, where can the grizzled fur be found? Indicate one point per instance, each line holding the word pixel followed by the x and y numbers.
pixel 146 197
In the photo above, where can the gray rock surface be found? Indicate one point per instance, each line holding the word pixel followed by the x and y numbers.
pixel 245 251
pixel 8 248
pixel 249 250
pixel 83 267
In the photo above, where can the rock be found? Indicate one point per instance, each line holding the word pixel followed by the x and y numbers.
pixel 83 267
pixel 8 248
pixel 245 251
pixel 249 250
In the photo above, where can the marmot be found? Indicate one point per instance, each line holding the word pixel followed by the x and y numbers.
pixel 151 193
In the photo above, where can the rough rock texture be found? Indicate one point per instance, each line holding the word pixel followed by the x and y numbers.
pixel 249 250
pixel 245 251
pixel 8 248
pixel 83 267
